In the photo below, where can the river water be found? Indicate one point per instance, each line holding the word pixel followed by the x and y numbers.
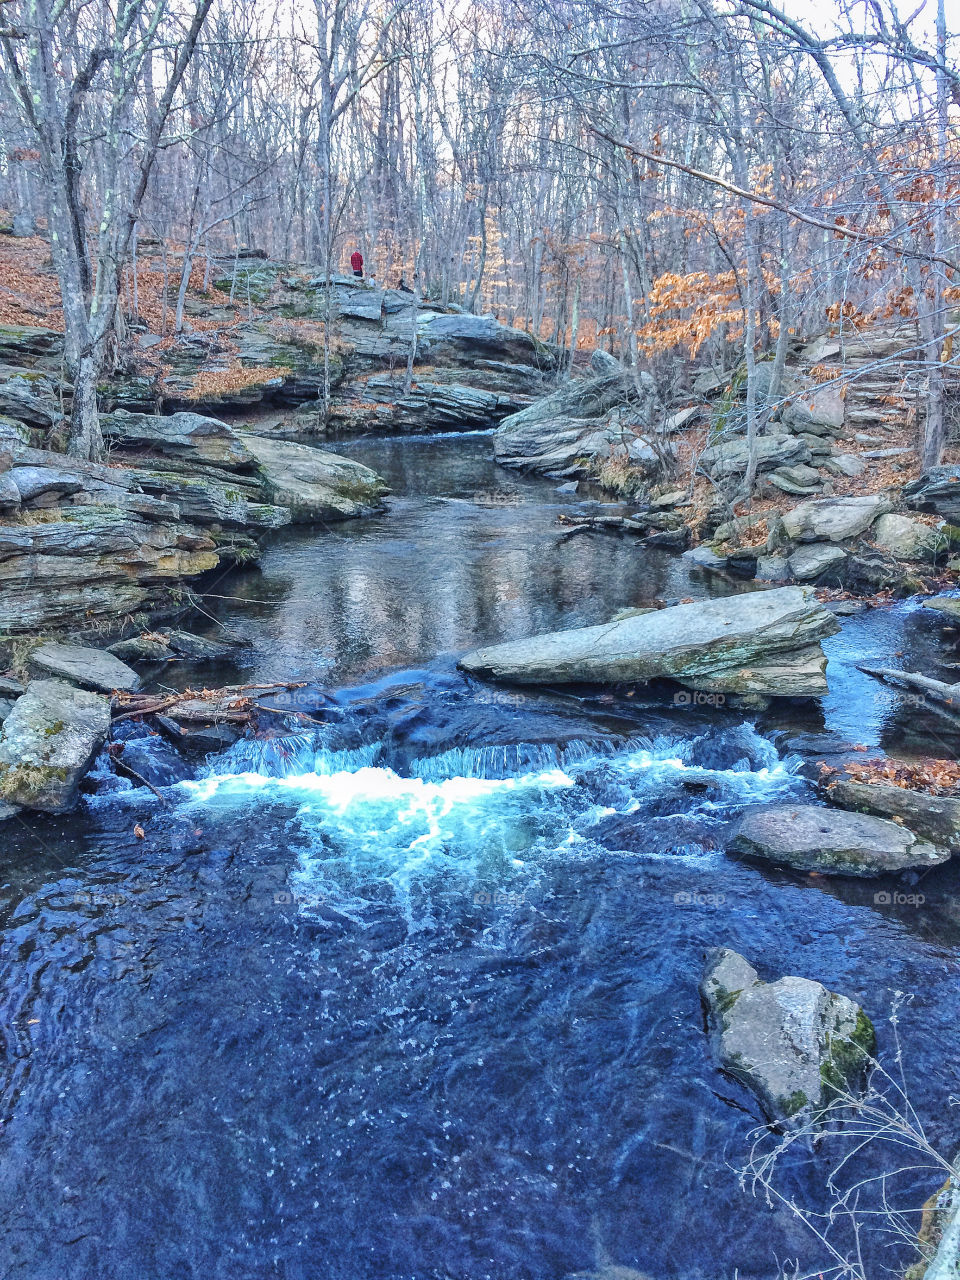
pixel 411 993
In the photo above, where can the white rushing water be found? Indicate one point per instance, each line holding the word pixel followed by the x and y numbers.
pixel 483 813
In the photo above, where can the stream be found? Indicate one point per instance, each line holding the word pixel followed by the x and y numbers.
pixel 411 993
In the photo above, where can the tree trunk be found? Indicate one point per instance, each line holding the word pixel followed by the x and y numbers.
pixel 86 438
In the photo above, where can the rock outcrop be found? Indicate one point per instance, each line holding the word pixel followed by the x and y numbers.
pixel 795 1044
pixel 937 490
pixel 107 549
pixel 834 841
pixel 762 643
pixel 188 492
pixel 47 744
pixel 573 431
pixel 476 370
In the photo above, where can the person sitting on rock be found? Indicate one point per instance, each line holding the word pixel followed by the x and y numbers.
pixel 356 261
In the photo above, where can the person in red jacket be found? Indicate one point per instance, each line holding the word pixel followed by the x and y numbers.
pixel 356 261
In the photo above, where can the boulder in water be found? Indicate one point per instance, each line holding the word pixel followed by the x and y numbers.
pixel 762 642
pixel 810 838
pixel 934 818
pixel 795 1044
pixel 947 605
pixel 315 484
pixel 48 742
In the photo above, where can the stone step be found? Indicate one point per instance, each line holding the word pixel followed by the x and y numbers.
pixel 858 416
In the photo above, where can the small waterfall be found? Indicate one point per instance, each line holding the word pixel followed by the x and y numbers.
pixel 291 756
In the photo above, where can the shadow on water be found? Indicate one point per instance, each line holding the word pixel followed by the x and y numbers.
pixel 410 993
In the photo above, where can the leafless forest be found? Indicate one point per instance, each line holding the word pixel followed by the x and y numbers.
pixel 699 179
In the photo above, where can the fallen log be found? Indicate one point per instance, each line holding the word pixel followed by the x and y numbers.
pixel 602 524
pixel 230 703
pixel 938 690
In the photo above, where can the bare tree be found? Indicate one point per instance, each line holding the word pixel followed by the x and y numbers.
pixel 76 71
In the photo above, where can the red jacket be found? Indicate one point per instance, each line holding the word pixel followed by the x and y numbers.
pixel 356 260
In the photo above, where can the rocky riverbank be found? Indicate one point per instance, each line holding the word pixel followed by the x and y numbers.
pixel 827 506
pixel 185 491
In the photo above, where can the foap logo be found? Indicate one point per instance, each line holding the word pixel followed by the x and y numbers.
pixel 886 898
pixel 694 898
pixel 284 898
pixel 697 698
pixel 500 698
pixel 497 898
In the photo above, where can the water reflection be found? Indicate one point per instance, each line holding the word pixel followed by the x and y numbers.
pixel 435 574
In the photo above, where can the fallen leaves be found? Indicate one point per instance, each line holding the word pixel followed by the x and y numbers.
pixel 934 776
pixel 210 383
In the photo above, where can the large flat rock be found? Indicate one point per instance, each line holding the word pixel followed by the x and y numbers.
pixel 811 838
pixel 48 742
pixel 725 642
pixel 84 666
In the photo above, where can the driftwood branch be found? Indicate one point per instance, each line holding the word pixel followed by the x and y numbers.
pixel 937 690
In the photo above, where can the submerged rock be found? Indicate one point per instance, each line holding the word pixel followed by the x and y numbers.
pixel 795 1044
pixel 764 642
pixel 812 838
pixel 89 668
pixel 154 760
pixel 48 742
